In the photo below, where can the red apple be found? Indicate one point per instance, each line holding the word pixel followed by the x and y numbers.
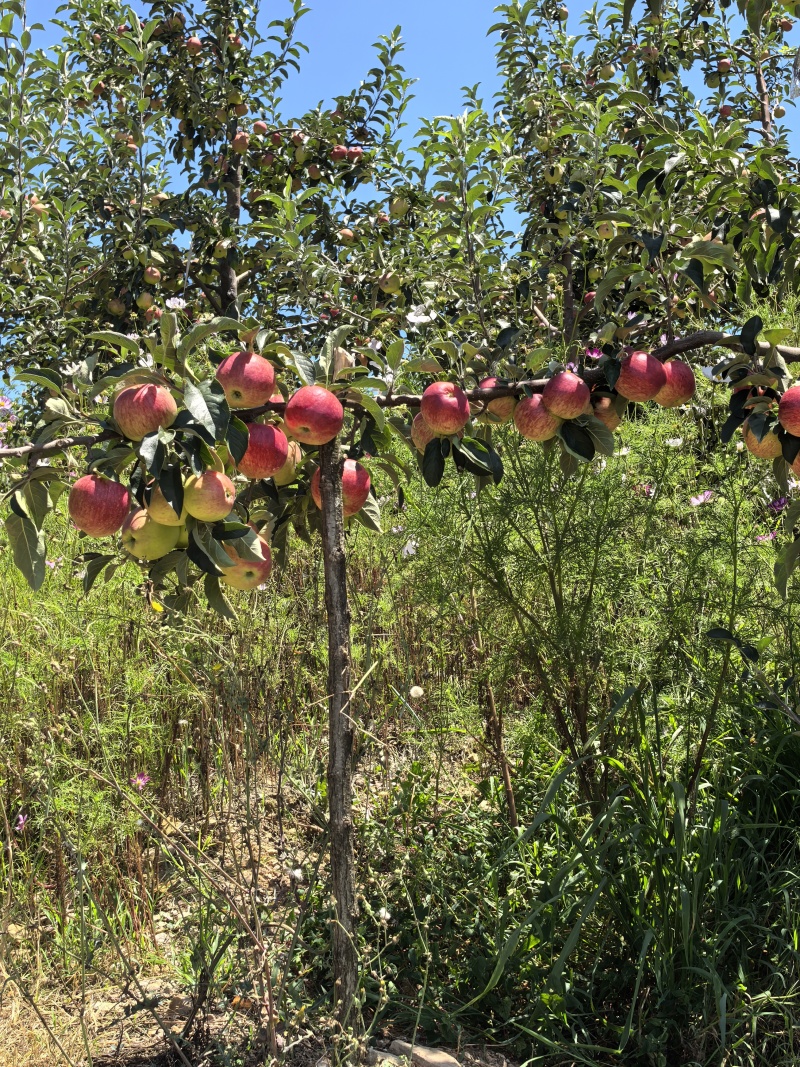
pixel 314 415
pixel 338 153
pixel 503 407
pixel 144 538
pixel 355 487
pixel 98 505
pixel 354 154
pixel 143 409
pixel 194 46
pixel 641 377
pixel 260 128
pixel 725 111
pixel 267 451
pixel 248 573
pixel 533 420
pixel 680 385
pixel 240 142
pixel 789 410
pixel 209 496
pixel 275 137
pixel 566 395
pixel 769 447
pixel 724 66
pixel 421 433
pixel 247 378
pixel 588 298
pixel 445 408
pixel 346 235
pixel 604 409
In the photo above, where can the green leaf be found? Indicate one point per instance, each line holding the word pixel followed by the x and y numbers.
pixel 216 598
pixel 238 438
pixel 303 367
pixel 35 501
pixel 577 441
pixel 118 340
pixel 433 463
pixel 206 402
pixel 334 340
pixel 28 548
pixel 95 563
pixel 370 515
pixel 48 379
pixel 198 334
pixel 718 255
pixel 785 565
pixel 600 434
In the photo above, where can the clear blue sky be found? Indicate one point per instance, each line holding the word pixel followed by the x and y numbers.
pixel 446 47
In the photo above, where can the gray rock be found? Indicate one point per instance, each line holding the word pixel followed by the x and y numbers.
pixel 424 1057
pixel 379 1055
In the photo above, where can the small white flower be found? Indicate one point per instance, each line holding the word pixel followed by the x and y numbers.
pixel 420 315
pixel 176 303
pixel 674 442
pixel 374 344
pixel 740 446
pixel 622 452
pixel 384 915
pixel 416 692
pixel 297 876
pixel 409 548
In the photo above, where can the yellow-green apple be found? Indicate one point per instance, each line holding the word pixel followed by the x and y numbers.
pixel 144 538
pixel 152 275
pixel 142 409
pixel 247 378
pixel 778 111
pixel 399 206
pixel 389 282
pixel 313 415
pixel 566 395
pixel 445 408
pixel 267 451
pixel 502 408
pixel 183 538
pixel 554 174
pixel 116 307
pixel 769 447
pixel 533 420
pixel 209 496
pixel 161 511
pixel 641 377
pixel 604 409
pixel 247 573
pixel 144 300
pixel 606 230
pixel 355 487
pixel 680 385
pixel 607 72
pixel 98 505
pixel 286 474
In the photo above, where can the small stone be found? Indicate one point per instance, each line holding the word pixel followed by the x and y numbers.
pixel 424 1057
pixel 379 1055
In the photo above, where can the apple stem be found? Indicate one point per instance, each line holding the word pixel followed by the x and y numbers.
pixel 341 736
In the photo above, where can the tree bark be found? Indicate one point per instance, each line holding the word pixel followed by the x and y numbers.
pixel 341 733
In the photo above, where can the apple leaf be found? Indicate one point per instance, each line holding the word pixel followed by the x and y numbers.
pixel 43 376
pixel 370 515
pixel 433 463
pixel 600 434
pixel 198 334
pixel 334 340
pixel 237 438
pixel 28 548
pixel 206 402
pixel 119 340
pixel 785 565
pixel 577 441
pixel 198 554
pixel 171 485
pixel 95 564
pixel 216 598
pixel 750 331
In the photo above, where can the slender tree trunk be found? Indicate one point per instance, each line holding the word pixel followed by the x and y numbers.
pixel 340 740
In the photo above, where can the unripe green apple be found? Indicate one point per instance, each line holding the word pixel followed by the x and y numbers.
pixel 144 300
pixel 779 111
pixel 607 72
pixel 389 282
pixel 554 174
pixel 399 206
pixel 595 274
pixel 606 230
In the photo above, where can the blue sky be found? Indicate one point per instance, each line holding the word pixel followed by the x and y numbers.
pixel 446 47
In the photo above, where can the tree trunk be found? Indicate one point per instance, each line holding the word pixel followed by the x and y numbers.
pixel 340 740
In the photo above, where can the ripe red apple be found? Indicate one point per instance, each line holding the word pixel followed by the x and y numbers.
pixel 445 408
pixel 680 385
pixel 604 409
pixel 98 505
pixel 162 512
pixel 355 487
pixel 724 66
pixel 194 46
pixel 421 433
pixel 314 415
pixel 503 407
pixel 240 142
pixel 234 42
pixel 209 496
pixel 144 538
pixel 354 154
pixel 566 395
pixel 769 447
pixel 346 235
pixel 785 24
pixel 338 153
pixel 286 474
pixel 260 127
pixel 248 573
pixel 641 377
pixel 789 410
pixel 247 378
pixel 588 298
pixel 533 420
pixel 267 451
pixel 142 409
pixel 275 137
pixel 725 111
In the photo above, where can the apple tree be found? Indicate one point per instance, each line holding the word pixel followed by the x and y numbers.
pixel 225 322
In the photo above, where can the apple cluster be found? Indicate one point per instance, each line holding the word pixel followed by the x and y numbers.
pixel 154 523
